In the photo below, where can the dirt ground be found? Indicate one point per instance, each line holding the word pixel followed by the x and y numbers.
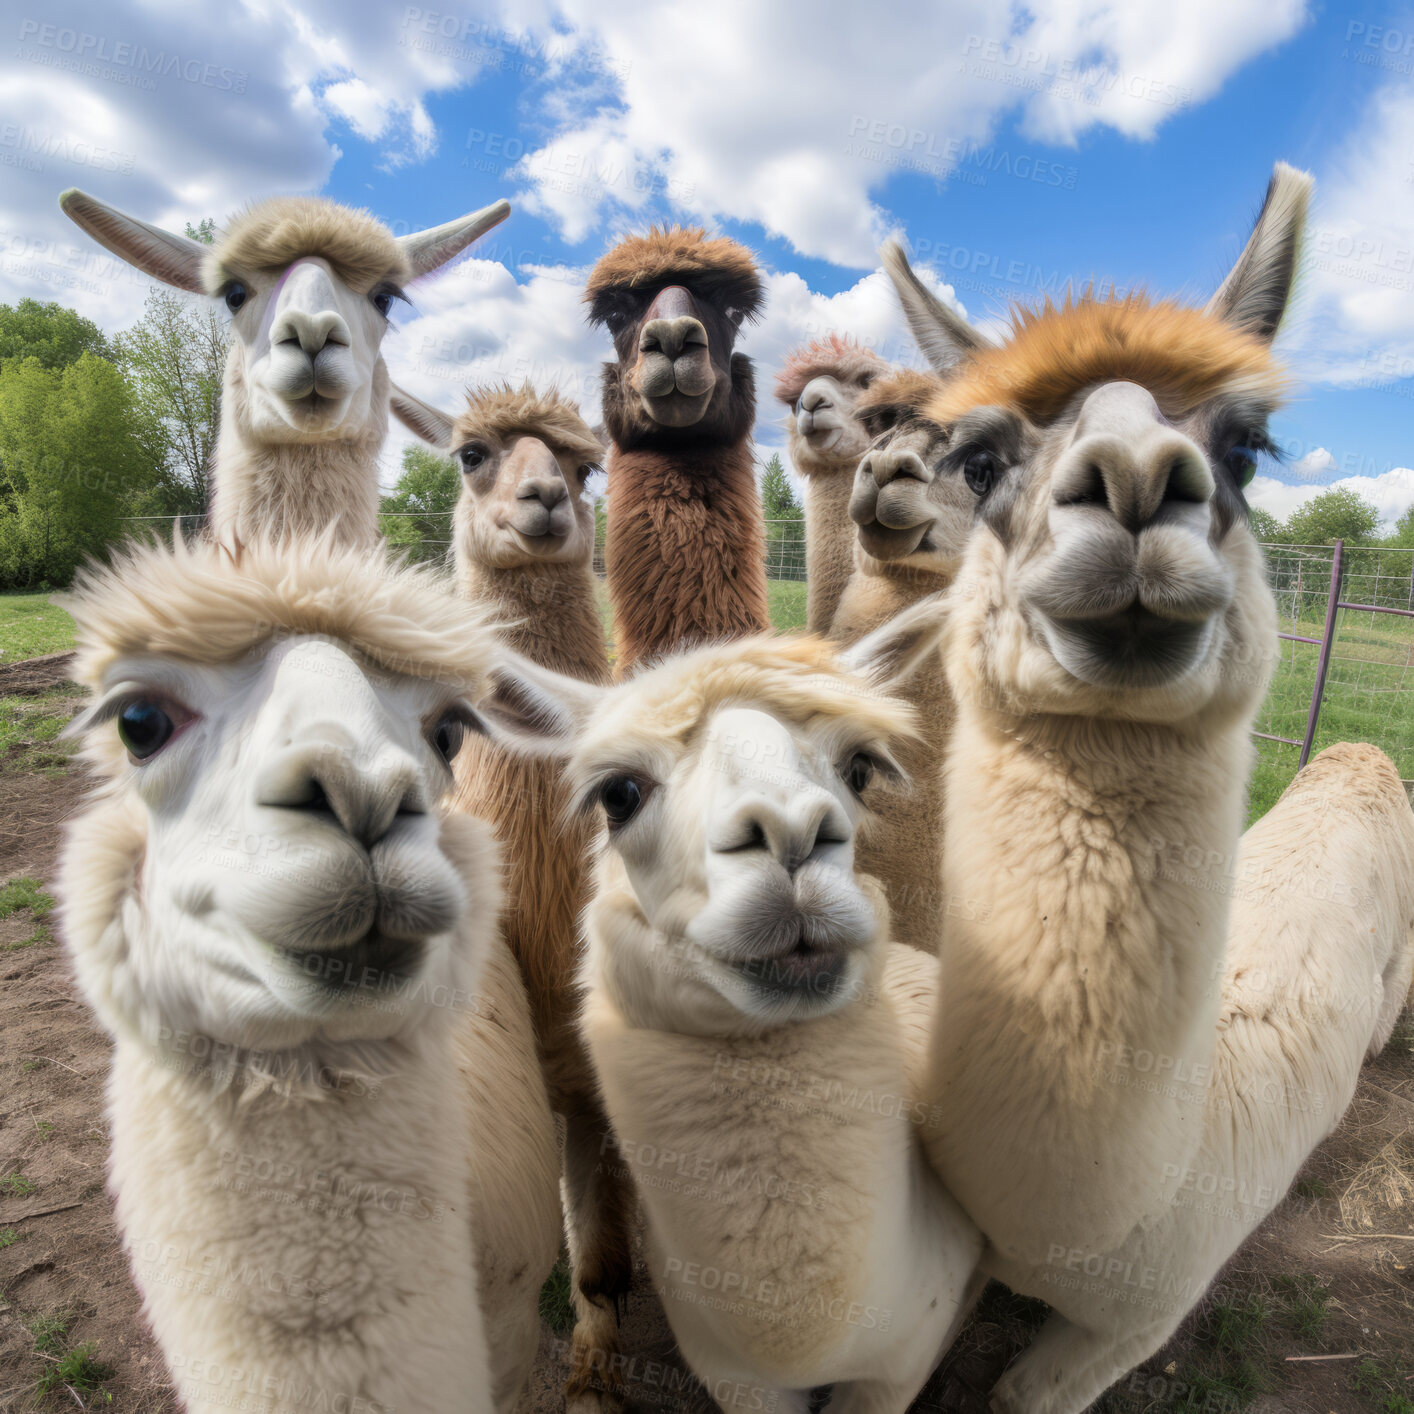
pixel 1330 1275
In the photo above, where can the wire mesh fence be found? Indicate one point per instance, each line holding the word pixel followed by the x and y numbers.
pixel 1368 688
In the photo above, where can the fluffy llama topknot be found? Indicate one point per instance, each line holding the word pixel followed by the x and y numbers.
pixel 501 411
pixel 904 390
pixel 679 253
pixel 834 355
pixel 1182 355
pixel 207 603
pixel 798 679
pixel 270 235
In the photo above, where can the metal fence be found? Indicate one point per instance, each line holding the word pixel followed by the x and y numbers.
pixel 1346 670
pixel 1347 665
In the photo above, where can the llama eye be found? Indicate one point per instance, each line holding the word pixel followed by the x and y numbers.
pixel 235 295
pixel 383 298
pixel 980 470
pixel 858 772
pixel 1241 463
pixel 734 315
pixel 615 321
pixel 621 797
pixel 471 457
pixel 449 733
pixel 144 728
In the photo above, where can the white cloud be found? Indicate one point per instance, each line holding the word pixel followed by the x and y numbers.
pixel 849 101
pixel 1392 492
pixel 1315 464
pixel 1359 287
pixel 177 112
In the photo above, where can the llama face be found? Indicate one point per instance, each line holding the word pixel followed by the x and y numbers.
pixel 306 349
pixel 673 303
pixel 1112 561
pixel 734 841
pixel 909 506
pixel 523 502
pixel 824 429
pixel 292 882
pixel 309 285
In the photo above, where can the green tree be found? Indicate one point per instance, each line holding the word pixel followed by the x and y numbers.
pixel 1338 514
pixel 1403 536
pixel 71 457
pixel 204 230
pixel 52 333
pixel 1265 526
pixel 418 515
pixel 777 495
pixel 175 357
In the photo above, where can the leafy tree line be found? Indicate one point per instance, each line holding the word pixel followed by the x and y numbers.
pixel 94 430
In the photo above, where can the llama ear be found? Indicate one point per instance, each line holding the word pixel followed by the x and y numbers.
pixel 1255 294
pixel 428 249
pixel 893 652
pixel 420 418
pixel 533 710
pixel 175 260
pixel 943 336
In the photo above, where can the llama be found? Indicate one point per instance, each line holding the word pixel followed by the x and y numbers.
pixel 523 540
pixel 820 385
pixel 283 938
pixel 740 1021
pixel 1109 637
pixel 686 543
pixel 304 402
pixel 912 520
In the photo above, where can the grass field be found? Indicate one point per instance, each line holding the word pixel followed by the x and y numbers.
pixel 1369 690
pixel 31 626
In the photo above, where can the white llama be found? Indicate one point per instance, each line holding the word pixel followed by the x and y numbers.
pixel 304 404
pixel 740 1020
pixel 282 935
pixel 1109 641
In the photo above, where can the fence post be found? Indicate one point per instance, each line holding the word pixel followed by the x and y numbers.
pixel 1324 661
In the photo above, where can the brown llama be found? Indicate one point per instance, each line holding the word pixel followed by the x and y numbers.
pixel 821 384
pixel 523 543
pixel 686 542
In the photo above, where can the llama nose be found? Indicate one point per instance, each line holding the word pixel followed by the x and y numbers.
pixel 312 330
pixel 548 490
pixel 1126 460
pixel 790 827
pixel 813 399
pixel 888 464
pixel 364 791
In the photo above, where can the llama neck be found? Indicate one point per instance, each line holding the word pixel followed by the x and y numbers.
pixel 284 489
pixel 232 1192
pixel 1081 969
pixel 819 1139
pixel 685 548
pixel 552 613
pixel 829 541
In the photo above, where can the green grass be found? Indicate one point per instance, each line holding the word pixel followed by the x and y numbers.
pixel 786 599
pixel 556 1305
pixel 15 1185
pixel 1385 1385
pixel 30 626
pixel 8 1237
pixel 30 728
pixel 50 1333
pixel 26 894
pixel 1371 699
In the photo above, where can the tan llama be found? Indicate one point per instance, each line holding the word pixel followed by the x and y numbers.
pixel 523 542
pixel 821 384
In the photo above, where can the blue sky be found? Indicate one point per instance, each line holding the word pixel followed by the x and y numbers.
pixel 1016 152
